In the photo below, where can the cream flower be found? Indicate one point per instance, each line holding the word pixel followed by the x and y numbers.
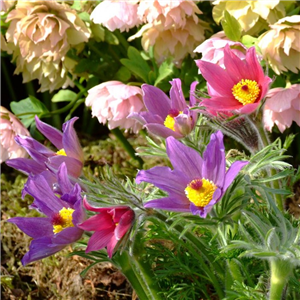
pixel 280 46
pixel 42 33
pixel 253 16
pixel 113 101
pixel 115 14
pixel 175 42
pixel 168 12
pixel 282 107
pixel 10 126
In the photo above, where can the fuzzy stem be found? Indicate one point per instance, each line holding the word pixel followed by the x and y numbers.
pixel 126 145
pixel 280 271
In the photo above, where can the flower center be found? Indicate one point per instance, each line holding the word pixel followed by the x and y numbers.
pixel 61 152
pixel 200 191
pixel 170 121
pixel 246 91
pixel 63 219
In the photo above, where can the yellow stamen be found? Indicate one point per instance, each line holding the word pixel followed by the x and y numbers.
pixel 200 191
pixel 61 152
pixel 246 91
pixel 63 220
pixel 170 121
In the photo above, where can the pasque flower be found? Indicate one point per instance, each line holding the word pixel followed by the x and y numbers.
pixel 67 143
pixel 62 215
pixel 167 117
pixel 239 87
pixel 282 107
pixel 10 126
pixel 195 184
pixel 113 101
pixel 116 14
pixel 110 226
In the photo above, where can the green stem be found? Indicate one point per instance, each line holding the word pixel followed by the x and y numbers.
pixel 280 271
pixel 122 40
pixel 126 145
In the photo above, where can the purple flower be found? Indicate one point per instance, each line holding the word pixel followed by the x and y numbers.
pixel 167 117
pixel 110 226
pixel 196 183
pixel 59 228
pixel 67 143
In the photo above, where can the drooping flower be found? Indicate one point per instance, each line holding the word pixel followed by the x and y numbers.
pixel 175 42
pixel 253 16
pixel 114 14
pixel 212 49
pixel 42 33
pixel 67 143
pixel 110 226
pixel 239 87
pixel 113 101
pixel 167 117
pixel 168 12
pixel 10 126
pixel 59 227
pixel 195 184
pixel 282 107
pixel 280 46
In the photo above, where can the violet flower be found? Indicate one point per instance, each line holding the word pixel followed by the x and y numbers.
pixel 196 183
pixel 167 117
pixel 67 143
pixel 59 228
pixel 110 226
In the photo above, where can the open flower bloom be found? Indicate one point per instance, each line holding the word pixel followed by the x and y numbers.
pixel 167 117
pixel 62 215
pixel 67 143
pixel 196 183
pixel 113 101
pixel 212 49
pixel 110 226
pixel 239 87
pixel 280 45
pixel 116 14
pixel 10 126
pixel 282 107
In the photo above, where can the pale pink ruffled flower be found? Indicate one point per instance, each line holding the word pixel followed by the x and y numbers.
pixel 42 32
pixel 10 126
pixel 280 46
pixel 212 49
pixel 282 107
pixel 114 14
pixel 168 12
pixel 113 101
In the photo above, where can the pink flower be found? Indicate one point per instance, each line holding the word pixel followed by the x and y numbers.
pixel 113 101
pixel 282 107
pixel 239 87
pixel 10 126
pixel 116 14
pixel 212 49
pixel 110 226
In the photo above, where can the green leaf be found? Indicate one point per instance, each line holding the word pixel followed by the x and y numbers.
pixel 64 96
pixel 27 108
pixel 111 38
pixel 84 16
pixel 231 26
pixel 249 40
pixel 98 32
pixel 123 74
pixel 165 69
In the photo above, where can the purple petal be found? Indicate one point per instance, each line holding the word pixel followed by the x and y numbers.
pixel 99 240
pixel 162 131
pixel 51 133
pixel 184 159
pixel 232 173
pixel 151 118
pixel 74 166
pixel 67 236
pixel 156 101
pixel 176 95
pixel 165 179
pixel 214 162
pixel 34 227
pixel 27 166
pixel 40 248
pixel 79 215
pixel 63 179
pixel 170 203
pixel 71 142
pixel 73 196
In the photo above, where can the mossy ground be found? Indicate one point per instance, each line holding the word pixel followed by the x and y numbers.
pixel 58 276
